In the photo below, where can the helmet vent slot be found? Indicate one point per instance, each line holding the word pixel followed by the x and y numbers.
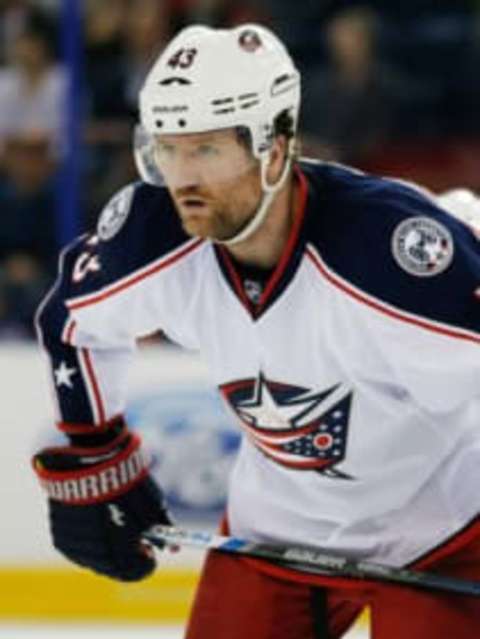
pixel 248 100
pixel 221 101
pixel 247 105
pixel 284 83
pixel 224 111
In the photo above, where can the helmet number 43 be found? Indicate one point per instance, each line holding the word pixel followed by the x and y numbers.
pixel 183 58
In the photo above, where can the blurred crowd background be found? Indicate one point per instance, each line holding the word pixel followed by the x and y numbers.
pixel 388 86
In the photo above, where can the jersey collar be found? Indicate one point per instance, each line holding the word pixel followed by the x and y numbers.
pixel 287 266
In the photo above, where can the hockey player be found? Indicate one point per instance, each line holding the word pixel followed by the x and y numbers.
pixel 340 317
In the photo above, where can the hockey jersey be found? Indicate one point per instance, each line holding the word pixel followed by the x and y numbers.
pixel 354 378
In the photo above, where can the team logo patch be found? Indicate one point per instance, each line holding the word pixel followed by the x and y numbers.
pixel 249 40
pixel 294 426
pixel 422 246
pixel 115 213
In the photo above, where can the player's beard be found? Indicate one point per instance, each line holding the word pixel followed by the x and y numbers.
pixel 216 224
pixel 219 219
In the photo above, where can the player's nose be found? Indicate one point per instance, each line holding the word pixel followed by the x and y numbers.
pixel 185 176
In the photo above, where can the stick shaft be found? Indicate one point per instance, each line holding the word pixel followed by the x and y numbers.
pixel 310 560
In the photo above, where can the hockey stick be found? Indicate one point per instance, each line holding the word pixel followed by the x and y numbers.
pixel 310 560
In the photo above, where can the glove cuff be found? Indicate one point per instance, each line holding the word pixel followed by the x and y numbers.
pixel 105 478
pixel 94 435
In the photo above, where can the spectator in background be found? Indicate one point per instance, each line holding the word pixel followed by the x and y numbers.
pixel 22 287
pixel 464 92
pixel 27 230
pixel 14 15
pixel 222 13
pixel 32 89
pixel 123 38
pixel 422 9
pixel 147 31
pixel 350 107
pixel 105 58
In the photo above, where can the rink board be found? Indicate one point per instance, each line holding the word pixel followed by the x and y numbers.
pixel 41 595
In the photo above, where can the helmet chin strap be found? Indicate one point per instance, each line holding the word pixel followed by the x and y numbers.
pixel 268 193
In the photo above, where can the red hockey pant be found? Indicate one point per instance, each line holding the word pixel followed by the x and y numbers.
pixel 237 601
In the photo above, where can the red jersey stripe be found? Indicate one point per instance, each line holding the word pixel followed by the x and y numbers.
pixel 93 383
pixel 121 285
pixel 384 308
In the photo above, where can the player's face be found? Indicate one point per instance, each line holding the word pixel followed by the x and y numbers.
pixel 213 179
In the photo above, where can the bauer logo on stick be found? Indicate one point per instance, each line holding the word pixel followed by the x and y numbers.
pixel 422 246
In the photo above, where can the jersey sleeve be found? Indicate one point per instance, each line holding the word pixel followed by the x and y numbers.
pixel 87 373
pixel 90 320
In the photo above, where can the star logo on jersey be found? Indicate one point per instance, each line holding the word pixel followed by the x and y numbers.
pixel 63 375
pixel 294 426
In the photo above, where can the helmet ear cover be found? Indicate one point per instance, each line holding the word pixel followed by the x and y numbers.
pixel 283 125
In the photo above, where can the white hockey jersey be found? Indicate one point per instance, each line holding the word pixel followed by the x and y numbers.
pixel 356 379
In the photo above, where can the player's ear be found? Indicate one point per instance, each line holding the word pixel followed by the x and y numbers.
pixel 278 157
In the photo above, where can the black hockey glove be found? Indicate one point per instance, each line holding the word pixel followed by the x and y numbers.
pixel 101 499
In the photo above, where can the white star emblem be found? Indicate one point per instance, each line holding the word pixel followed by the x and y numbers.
pixel 63 375
pixel 263 411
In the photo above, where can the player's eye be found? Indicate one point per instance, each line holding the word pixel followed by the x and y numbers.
pixel 207 150
pixel 165 151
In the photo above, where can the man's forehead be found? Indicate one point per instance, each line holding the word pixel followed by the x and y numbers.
pixel 214 136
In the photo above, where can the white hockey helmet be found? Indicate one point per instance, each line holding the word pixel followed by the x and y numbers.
pixel 208 79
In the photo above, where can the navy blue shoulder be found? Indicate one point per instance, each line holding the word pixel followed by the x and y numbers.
pixel 138 226
pixel 391 241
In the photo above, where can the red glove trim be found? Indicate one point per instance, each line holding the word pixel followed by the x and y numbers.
pixel 99 482
pixel 88 429
pixel 86 451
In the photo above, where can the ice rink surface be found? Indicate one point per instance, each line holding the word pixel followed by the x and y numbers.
pixel 64 631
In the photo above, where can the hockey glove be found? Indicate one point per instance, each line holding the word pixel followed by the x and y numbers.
pixel 101 499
